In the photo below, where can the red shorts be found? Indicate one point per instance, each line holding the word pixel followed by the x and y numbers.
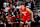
pixel 24 19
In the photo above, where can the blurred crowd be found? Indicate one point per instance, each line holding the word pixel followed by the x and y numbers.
pixel 9 13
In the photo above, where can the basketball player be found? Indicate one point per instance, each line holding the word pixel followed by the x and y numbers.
pixel 25 15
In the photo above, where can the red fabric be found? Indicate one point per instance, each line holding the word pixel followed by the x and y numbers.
pixel 24 20
pixel 17 17
pixel 26 14
pixel 9 10
pixel 0 12
pixel 13 18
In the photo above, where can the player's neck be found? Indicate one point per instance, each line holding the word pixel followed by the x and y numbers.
pixel 23 8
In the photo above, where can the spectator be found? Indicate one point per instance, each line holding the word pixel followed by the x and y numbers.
pixel 32 5
pixel 6 9
pixel 38 19
pixel 26 3
pixel 35 18
pixel 10 9
pixel 10 2
pixel 18 7
pixel 9 20
pixel 14 6
pixel 4 4
pixel 37 10
pixel 29 4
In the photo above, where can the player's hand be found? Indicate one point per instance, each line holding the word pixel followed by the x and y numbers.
pixel 33 20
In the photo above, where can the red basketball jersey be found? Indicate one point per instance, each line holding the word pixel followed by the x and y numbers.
pixel 26 14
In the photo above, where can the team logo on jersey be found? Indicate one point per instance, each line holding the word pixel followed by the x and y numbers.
pixel 24 13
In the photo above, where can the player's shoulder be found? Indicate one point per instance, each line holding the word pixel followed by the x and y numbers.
pixel 25 7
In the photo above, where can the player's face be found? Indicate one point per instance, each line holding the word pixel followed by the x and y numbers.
pixel 22 6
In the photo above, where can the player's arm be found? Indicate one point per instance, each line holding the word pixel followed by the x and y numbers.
pixel 27 9
pixel 20 14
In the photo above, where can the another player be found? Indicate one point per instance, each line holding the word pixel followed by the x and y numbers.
pixel 25 15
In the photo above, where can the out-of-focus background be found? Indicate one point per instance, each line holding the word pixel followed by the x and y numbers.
pixel 10 15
